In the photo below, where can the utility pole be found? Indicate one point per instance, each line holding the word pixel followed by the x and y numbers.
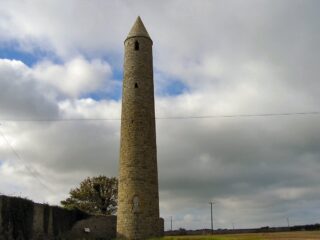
pixel 288 222
pixel 171 223
pixel 211 203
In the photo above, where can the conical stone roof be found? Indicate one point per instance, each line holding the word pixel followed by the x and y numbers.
pixel 138 30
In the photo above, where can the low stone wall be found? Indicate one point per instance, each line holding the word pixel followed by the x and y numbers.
pixel 22 219
pixel 16 218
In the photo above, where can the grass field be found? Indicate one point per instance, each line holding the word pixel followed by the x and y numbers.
pixel 303 235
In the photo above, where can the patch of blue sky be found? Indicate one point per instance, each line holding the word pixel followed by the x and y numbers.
pixel 176 88
pixel 114 59
pixel 172 87
pixel 13 51
pixel 117 75
pixel 112 94
pixel 168 85
pixel 116 64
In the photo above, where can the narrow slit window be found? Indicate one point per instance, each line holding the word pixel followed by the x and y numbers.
pixel 136 45
pixel 136 85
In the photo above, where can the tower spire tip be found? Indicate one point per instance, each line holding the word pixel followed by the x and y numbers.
pixel 138 29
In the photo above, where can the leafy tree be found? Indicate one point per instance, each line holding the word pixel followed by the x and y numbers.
pixel 96 195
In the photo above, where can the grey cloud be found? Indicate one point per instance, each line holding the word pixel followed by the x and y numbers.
pixel 22 96
pixel 235 57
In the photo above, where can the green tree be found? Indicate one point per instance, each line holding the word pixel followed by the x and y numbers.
pixel 96 195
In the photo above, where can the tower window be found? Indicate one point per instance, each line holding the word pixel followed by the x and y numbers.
pixel 136 45
pixel 135 204
pixel 136 85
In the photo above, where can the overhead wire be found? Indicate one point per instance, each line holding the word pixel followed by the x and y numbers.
pixel 243 115
pixel 36 175
pixel 163 118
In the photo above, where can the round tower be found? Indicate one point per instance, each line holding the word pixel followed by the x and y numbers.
pixel 138 197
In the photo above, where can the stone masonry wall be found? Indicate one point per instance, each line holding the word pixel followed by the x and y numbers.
pixel 138 199
pixel 24 220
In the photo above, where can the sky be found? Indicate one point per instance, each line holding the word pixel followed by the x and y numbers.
pixel 63 60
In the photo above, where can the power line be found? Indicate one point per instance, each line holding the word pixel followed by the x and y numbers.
pixel 245 115
pixel 163 118
pixel 57 119
pixel 33 172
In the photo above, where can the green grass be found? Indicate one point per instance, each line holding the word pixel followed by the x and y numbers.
pixel 214 237
pixel 302 235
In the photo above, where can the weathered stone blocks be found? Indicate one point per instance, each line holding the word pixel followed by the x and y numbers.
pixel 138 197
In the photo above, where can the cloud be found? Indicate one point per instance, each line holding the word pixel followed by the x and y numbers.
pixel 76 77
pixel 79 27
pixel 35 151
pixel 50 151
pixel 22 96
pixel 227 58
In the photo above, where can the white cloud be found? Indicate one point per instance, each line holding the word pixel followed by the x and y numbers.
pixel 22 96
pixel 66 31
pixel 28 93
pixel 77 76
pixel 89 108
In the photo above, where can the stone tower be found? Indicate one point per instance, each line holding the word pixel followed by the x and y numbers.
pixel 138 197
